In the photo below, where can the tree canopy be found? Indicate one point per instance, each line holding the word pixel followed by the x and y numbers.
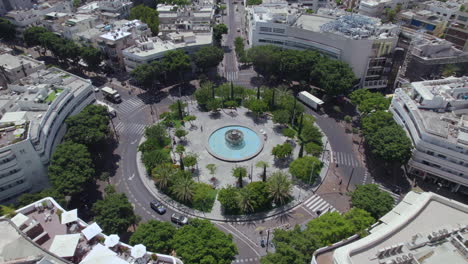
pixel 148 15
pixel 208 57
pixel 114 213
pixel 155 235
pixel 31 35
pixel 90 127
pixel 7 30
pixel 391 144
pixel 71 167
pixel 202 242
pixel 92 57
pixel 370 198
pixel 282 151
pixel 301 169
pixel 218 31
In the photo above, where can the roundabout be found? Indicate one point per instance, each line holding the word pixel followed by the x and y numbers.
pixel 234 143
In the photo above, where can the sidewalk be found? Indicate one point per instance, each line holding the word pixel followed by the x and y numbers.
pixel 300 194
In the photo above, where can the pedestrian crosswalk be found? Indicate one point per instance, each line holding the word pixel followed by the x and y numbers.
pixel 246 260
pixel 130 105
pixel 396 197
pixel 231 76
pixel 130 128
pixel 345 159
pixel 317 204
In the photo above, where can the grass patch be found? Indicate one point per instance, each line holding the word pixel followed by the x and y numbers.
pixel 51 97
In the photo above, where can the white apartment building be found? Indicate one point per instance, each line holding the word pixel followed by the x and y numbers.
pixel 152 49
pixel 118 9
pixel 13 68
pixel 32 17
pixel 8 5
pixel 189 18
pixel 32 115
pixel 423 228
pixel 119 36
pixel 376 8
pixel 363 42
pixel 435 115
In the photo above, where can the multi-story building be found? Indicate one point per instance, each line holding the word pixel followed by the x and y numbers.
pixel 376 8
pixel 13 68
pixel 32 115
pixel 423 228
pixel 424 20
pixel 117 9
pixel 445 9
pixel 69 24
pixel 152 49
pixel 8 5
pixel 32 17
pixel 363 42
pixel 45 233
pixel 434 114
pixel 190 18
pixel 120 36
pixel 457 32
pixel 427 56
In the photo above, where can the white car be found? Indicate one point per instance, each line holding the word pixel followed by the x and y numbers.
pixel 96 89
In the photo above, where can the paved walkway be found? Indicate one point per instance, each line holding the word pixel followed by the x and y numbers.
pixel 197 140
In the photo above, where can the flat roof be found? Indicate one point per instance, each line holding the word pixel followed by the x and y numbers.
pixel 312 22
pixel 13 62
pixel 418 214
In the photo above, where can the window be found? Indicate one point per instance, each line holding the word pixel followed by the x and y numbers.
pixel 265 29
pixel 279 30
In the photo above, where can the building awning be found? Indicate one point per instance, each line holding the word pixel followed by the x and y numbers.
pixel 70 216
pixel 102 255
pixel 19 219
pixel 91 231
pixel 65 245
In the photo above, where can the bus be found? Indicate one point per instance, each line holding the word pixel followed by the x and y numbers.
pixel 310 100
pixel 111 94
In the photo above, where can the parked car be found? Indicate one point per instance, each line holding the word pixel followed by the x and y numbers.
pixel 179 219
pixel 158 207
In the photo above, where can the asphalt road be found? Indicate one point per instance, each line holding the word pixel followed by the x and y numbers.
pixel 133 114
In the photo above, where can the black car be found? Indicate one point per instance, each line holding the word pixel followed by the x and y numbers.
pixel 179 219
pixel 158 207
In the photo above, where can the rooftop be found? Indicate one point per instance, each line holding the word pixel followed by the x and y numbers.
pixel 10 62
pixel 38 230
pixel 440 107
pixel 424 228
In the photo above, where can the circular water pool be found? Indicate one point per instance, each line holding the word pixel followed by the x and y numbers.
pixel 248 148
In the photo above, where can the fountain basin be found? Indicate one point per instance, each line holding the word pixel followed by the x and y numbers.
pixel 234 143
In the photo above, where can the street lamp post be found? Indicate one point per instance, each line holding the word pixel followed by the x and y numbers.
pixel 347 186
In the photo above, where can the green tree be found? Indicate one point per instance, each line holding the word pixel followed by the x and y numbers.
pixel 7 30
pixel 92 57
pixel 239 173
pixel 370 198
pixel 208 57
pixel 143 74
pixel 391 144
pixel 29 198
pixel 191 160
pixel 218 31
pixel 183 189
pixel 176 63
pixel 204 197
pixel 114 213
pixel 155 235
pixel 281 117
pixel 8 211
pixel 228 197
pixel 162 175
pixel 264 165
pixel 153 158
pixel 157 132
pixel 31 35
pixel 214 105
pixel 246 200
pixel 180 133
pixel 254 2
pixel 306 169
pixel 371 123
pixel 148 15
pixel 257 106
pixel 333 76
pixel 313 149
pixel 71 167
pixel 204 94
pixel 289 133
pixel 202 242
pixel 212 168
pixel 90 127
pixel 367 101
pixel 76 3
pixel 239 47
pixel 265 59
pixel 279 187
pixel 282 151
pixel 311 133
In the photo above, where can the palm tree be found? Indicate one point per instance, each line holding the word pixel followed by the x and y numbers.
pixel 239 173
pixel 279 187
pixel 184 189
pixel 162 175
pixel 245 200
pixel 264 165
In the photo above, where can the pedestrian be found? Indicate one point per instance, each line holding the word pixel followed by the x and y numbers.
pixel 201 128
pixel 341 181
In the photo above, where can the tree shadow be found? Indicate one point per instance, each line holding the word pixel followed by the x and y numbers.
pixel 152 97
pixel 260 120
pixel 98 80
pixel 85 200
pixel 183 89
pixel 215 115
pixel 282 163
pixel 257 81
